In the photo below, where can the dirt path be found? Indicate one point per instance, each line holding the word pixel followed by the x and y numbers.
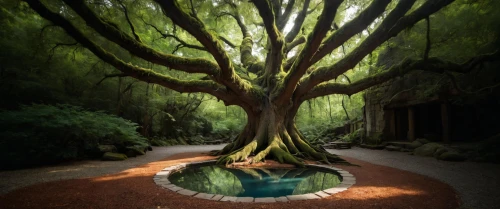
pixel 11 180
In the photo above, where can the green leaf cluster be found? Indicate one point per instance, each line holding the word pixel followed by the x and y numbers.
pixel 39 134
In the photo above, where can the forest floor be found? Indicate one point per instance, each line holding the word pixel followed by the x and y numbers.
pixel 129 184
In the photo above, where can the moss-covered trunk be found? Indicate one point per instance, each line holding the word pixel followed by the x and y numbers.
pixel 272 134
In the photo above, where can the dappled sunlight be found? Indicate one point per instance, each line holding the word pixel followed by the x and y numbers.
pixel 150 169
pixel 65 170
pixel 375 192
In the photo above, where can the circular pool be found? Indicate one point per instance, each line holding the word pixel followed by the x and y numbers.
pixel 209 181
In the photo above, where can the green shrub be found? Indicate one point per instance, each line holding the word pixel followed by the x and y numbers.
pixel 43 134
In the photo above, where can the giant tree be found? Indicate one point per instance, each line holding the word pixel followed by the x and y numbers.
pixel 269 80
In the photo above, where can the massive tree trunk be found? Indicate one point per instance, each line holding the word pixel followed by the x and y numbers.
pixel 271 99
pixel 272 133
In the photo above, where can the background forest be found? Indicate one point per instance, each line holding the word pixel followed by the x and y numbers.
pixel 58 101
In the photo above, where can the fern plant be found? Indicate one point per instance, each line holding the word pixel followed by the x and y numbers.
pixel 42 134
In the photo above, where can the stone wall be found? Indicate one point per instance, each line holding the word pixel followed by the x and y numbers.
pixel 400 92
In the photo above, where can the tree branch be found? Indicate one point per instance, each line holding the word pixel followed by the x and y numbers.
pixel 313 42
pixel 266 11
pixel 431 65
pixel 227 73
pixel 274 58
pixel 227 41
pixel 111 76
pixel 138 49
pixel 295 43
pixel 392 25
pixel 276 8
pixel 299 20
pixel 353 27
pixel 247 59
pixel 132 28
pixel 283 19
pixel 182 42
pixel 53 49
pixel 139 73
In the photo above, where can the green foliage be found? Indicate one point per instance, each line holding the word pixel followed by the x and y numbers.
pixel 317 181
pixel 209 179
pixel 227 121
pixel 318 115
pixel 355 137
pixel 162 141
pixel 40 134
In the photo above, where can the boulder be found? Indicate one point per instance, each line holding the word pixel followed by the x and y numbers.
pixel 423 140
pixel 427 150
pixel 414 145
pixel 137 150
pixel 440 151
pixel 452 156
pixel 107 148
pixel 393 148
pixel 110 156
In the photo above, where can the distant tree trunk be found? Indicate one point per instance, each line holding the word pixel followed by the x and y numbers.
pixel 330 109
pixel 119 99
pixel 146 119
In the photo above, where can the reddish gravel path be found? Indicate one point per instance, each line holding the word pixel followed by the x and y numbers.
pixel 376 187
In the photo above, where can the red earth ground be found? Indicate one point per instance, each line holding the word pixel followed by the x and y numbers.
pixel 376 187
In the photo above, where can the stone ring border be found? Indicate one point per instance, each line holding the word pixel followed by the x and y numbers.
pixel 161 179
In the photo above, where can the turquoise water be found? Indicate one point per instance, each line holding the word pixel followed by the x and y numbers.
pixel 255 182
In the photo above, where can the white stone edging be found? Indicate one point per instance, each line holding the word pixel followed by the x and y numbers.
pixel 161 179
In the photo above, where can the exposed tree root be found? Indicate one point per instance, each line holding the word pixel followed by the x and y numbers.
pixel 286 146
pixel 238 155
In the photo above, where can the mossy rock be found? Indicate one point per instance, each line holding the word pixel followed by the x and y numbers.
pixel 427 150
pixel 440 151
pixel 452 156
pixel 134 151
pixel 423 141
pixel 110 156
pixel 107 148
pixel 414 145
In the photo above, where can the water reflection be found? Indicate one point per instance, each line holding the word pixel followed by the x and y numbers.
pixel 208 179
pixel 256 182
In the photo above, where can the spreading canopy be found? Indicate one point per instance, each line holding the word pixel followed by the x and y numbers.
pixel 268 57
